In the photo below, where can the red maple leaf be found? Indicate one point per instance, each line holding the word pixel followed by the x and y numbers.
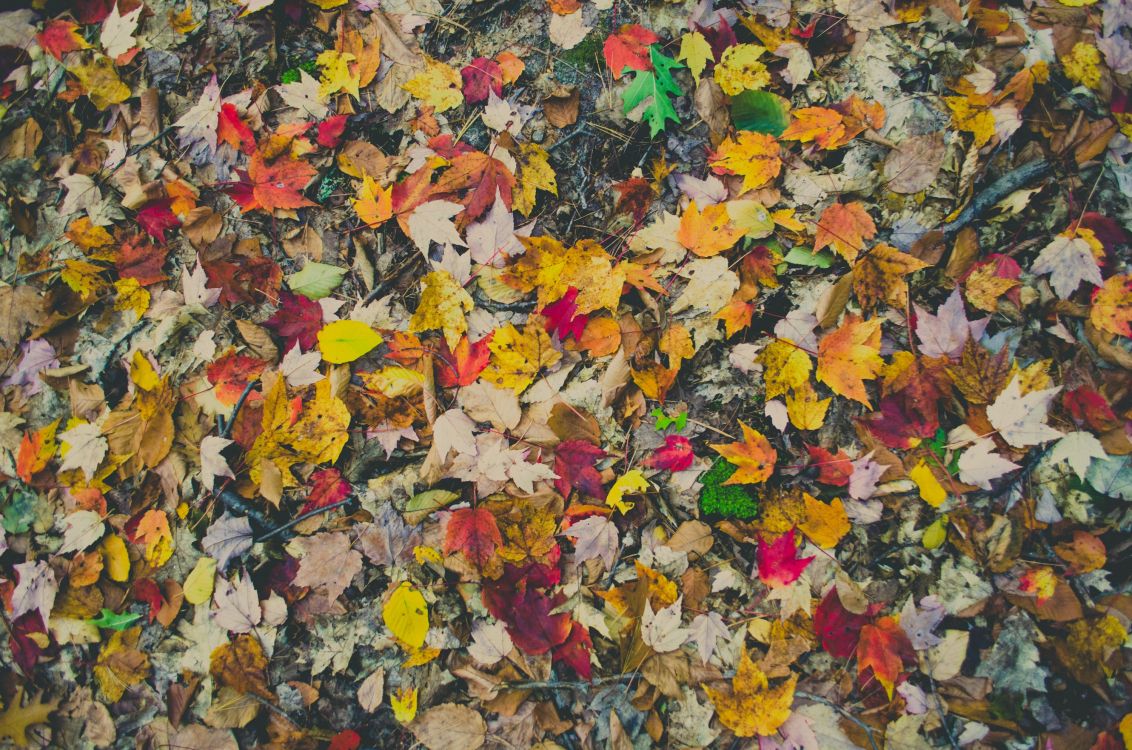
pixel 482 176
pixel 1087 406
pixel 634 196
pixel 232 130
pixel 244 278
pixel 629 48
pixel 574 652
pixel 297 320
pixel 330 131
pixel 474 532
pixel 59 37
pixel 574 464
pixel 838 628
pixel 514 600
pixel 464 365
pixel 231 374
pixel 481 76
pixel 778 561
pixel 156 217
pixel 833 468
pixel 327 487
pixel 275 185
pixel 148 592
pixel 141 261
pixel 882 648
pixel 675 455
pixel 562 318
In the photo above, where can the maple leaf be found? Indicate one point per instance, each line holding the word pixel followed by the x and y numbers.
pixel 778 562
pixel 654 89
pixel 696 52
pixel 562 318
pixel 740 69
pixel 517 358
pixel 462 366
pixel 374 204
pixel 1020 419
pixel 438 85
pixel 752 156
pixel 474 532
pixel 483 176
pixel 825 523
pixel 945 334
pixel 882 648
pixel 709 232
pixel 979 464
pixel 879 276
pixel 432 222
pixel 753 455
pixel 595 537
pixel 628 48
pixel 675 455
pixel 818 124
pixel 60 36
pixel 83 447
pixel 850 355
pixel 298 320
pixel 574 464
pixel 753 707
pixel 1112 306
pixel 443 305
pixel 844 227
pixel 277 185
pixel 482 76
pixel 1070 259
pixel 534 174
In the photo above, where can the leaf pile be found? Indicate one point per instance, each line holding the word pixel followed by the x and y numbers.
pixel 579 374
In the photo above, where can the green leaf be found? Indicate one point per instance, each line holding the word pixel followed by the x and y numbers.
pixel 663 421
pixel 657 85
pixel 729 501
pixel 801 256
pixel 421 505
pixel 316 280
pixel 760 111
pixel 111 620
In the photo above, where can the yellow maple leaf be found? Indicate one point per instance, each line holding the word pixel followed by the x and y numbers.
pixel 1112 305
pixel 740 69
pixel 336 74
pixel 753 707
pixel 438 85
pixel 805 409
pixel 131 296
pixel 753 156
pixel 153 531
pixel 971 117
pixel 551 268
pixel 534 174
pixel 100 81
pixel 695 52
pixel 849 356
pixel 374 204
pixel 754 456
pixel 823 126
pixel 785 367
pixel 879 276
pixel 320 433
pixel 633 482
pixel 443 305
pixel 825 524
pixel 120 664
pixel 708 232
pixel 516 358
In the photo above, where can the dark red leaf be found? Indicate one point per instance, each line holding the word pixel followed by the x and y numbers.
pixel 298 319
pixel 474 532
pixel 481 76
pixel 574 464
pixel 327 487
pixel 330 131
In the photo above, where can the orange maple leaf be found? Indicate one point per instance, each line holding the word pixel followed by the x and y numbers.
pixel 754 456
pixel 754 156
pixel 845 227
pixel 818 124
pixel 275 185
pixel 882 648
pixel 849 356
pixel 709 232
pixel 482 176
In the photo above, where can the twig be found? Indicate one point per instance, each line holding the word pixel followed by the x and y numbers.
pixel 226 426
pixel 296 521
pixel 996 191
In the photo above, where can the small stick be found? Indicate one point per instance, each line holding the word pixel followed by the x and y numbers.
pixel 310 514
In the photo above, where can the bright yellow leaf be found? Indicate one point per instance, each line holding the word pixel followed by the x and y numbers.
pixel 805 409
pixel 753 156
pixel 785 367
pixel 825 524
pixel 753 707
pixel 116 558
pixel 931 490
pixel 709 232
pixel 516 358
pixel 100 81
pixel 404 704
pixel 534 174
pixel 1082 65
pixel 131 296
pixel 443 305
pixel 406 615
pixel 374 204
pixel 438 85
pixel 633 482
pixel 346 340
pixel 740 70
pixel 695 52
pixel 336 74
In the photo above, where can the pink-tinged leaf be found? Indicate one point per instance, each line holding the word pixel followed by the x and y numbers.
pixel 778 562
pixel 675 455
pixel 945 333
pixel 298 319
pixel 562 318
pixel 481 76
pixel 838 628
pixel 233 130
pixel 574 464
pixel 834 469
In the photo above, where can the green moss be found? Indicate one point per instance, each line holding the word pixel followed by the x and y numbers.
pixel 585 55
pixel 729 501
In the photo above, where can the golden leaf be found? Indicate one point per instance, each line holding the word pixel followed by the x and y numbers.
pixel 753 707
pixel 443 306
pixel 517 358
